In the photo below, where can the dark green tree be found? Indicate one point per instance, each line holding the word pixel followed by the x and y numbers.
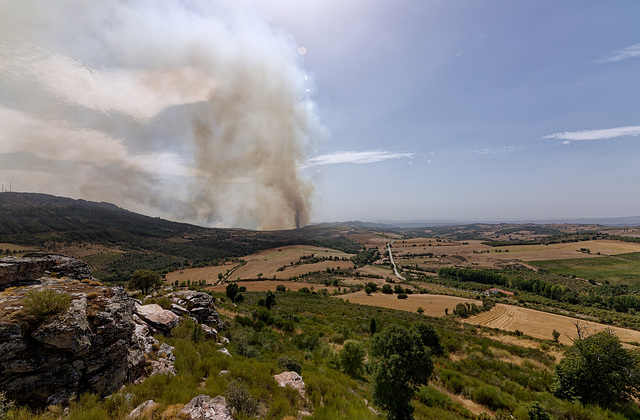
pixel 596 369
pixel 429 337
pixel 232 290
pixel 270 299
pixel 352 357
pixel 372 326
pixel 145 280
pixel 403 364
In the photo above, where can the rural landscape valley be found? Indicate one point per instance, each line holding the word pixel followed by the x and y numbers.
pixel 319 210
pixel 525 321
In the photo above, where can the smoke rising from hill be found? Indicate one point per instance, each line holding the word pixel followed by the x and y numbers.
pixel 191 110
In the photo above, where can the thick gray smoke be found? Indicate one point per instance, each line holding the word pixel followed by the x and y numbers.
pixel 194 110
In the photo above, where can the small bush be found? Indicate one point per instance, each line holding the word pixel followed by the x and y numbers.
pixel 239 398
pixel 289 364
pixel 40 304
pixel 402 296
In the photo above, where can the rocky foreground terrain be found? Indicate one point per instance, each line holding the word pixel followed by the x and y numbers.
pixel 98 343
pixel 99 340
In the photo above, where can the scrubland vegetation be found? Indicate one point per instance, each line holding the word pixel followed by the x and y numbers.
pixel 341 350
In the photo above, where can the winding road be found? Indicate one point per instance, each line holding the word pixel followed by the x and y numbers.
pixel 393 264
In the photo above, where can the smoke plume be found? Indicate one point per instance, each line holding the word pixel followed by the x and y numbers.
pixel 193 110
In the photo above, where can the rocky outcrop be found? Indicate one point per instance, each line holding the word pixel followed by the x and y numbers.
pixel 13 269
pixel 98 343
pixel 199 305
pixel 144 410
pixel 203 407
pixel 95 345
pixel 292 380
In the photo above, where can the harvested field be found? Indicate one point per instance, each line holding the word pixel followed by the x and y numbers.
pixel 266 263
pixel 265 285
pixel 433 305
pixel 208 274
pixel 541 324
pixel 376 270
pixel 269 261
pixel 475 254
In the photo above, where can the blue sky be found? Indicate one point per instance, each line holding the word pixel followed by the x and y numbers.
pixel 477 105
pixel 262 114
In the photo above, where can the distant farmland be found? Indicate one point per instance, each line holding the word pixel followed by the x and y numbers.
pixel 623 268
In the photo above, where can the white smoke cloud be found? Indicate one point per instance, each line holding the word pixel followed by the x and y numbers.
pixel 140 97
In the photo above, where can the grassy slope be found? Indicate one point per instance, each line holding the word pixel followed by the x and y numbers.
pixel 482 367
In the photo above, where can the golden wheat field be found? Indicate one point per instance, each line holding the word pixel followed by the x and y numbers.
pixel 541 324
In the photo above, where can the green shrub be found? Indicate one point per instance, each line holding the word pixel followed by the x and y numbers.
pixel 40 304
pixel 240 399
pixel 289 364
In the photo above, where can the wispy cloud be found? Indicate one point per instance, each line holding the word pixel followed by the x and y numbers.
pixel 623 54
pixel 370 156
pixel 503 149
pixel 608 133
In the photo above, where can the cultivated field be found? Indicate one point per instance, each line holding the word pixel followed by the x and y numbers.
pixel 433 305
pixel 541 324
pixel 476 255
pixel 265 264
pixel 269 261
pixel 208 274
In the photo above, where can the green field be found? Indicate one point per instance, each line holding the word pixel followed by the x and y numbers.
pixel 623 268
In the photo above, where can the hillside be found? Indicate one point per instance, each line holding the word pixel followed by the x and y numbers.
pixel 135 241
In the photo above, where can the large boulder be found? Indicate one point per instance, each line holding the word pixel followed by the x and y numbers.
pixel 199 305
pixel 292 380
pixel 203 407
pixel 157 317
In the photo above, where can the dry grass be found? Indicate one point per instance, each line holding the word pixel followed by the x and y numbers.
pixel 541 324
pixel 433 305
pixel 208 274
